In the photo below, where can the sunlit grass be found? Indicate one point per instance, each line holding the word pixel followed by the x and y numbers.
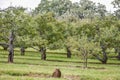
pixel 31 67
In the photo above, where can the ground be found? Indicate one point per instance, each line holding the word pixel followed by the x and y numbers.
pixel 30 67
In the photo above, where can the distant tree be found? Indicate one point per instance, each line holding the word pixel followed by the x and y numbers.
pixel 116 4
pixel 58 7
pixel 101 10
pixel 87 8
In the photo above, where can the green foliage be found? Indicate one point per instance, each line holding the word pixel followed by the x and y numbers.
pixel 56 24
pixel 58 7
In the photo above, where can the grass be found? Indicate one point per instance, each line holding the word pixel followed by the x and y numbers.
pixel 30 67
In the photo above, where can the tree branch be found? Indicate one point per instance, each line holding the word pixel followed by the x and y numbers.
pixel 98 57
pixel 35 48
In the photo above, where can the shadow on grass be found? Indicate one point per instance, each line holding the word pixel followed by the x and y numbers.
pixel 82 62
pixel 71 66
pixel 53 60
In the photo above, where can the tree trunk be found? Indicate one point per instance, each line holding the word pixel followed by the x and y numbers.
pixel 11 48
pixel 43 53
pixel 68 52
pixel 105 58
pixel 22 50
pixel 98 57
pixel 85 59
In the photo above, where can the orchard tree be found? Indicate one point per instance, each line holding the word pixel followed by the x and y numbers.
pixel 116 39
pixel 107 36
pixel 48 34
pixel 9 23
pixel 24 35
pixel 12 17
pixel 40 41
pixel 101 33
pixel 83 47
pixel 69 31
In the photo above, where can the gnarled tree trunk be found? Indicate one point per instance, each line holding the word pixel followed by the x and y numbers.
pixel 11 48
pixel 43 53
pixel 68 52
pixel 22 50
pixel 105 58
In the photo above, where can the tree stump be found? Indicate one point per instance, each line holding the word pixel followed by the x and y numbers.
pixel 56 73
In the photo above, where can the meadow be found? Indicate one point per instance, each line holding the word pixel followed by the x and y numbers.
pixel 31 67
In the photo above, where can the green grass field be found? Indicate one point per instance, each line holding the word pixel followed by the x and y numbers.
pixel 31 67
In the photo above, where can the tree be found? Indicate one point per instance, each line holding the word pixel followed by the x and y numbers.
pixel 43 7
pixel 116 4
pixel 42 34
pixel 58 7
pixel 116 39
pixel 9 21
pixel 85 47
pixel 47 34
pixel 87 8
pixel 12 18
pixel 107 36
pixel 101 10
pixel 82 46
pixel 69 31
pixel 25 33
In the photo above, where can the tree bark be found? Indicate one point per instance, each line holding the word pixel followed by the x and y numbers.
pixel 98 57
pixel 85 59
pixel 22 50
pixel 11 48
pixel 43 53
pixel 105 58
pixel 68 52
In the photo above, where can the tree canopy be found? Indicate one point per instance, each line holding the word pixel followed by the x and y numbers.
pixel 82 27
